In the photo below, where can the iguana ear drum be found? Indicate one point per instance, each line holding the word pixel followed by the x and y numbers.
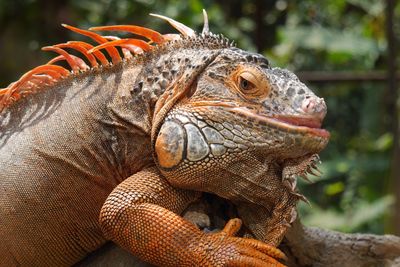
pixel 170 144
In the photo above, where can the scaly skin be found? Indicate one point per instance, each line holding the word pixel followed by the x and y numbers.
pixel 166 239
pixel 136 142
pixel 246 148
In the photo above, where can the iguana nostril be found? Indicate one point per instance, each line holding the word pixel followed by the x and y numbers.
pixel 314 106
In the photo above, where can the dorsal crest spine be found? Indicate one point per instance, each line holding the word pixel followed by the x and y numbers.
pixel 49 74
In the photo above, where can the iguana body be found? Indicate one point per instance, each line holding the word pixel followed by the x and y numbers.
pixel 136 141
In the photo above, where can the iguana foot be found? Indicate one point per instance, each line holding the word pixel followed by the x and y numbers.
pixel 224 249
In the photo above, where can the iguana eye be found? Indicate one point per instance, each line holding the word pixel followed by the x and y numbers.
pixel 245 84
pixel 252 83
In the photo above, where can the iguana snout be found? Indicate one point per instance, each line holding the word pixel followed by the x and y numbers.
pixel 311 113
pixel 315 107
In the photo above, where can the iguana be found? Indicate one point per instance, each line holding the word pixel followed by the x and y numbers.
pixel 116 148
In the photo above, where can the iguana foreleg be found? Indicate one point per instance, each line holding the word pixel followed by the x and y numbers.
pixel 141 216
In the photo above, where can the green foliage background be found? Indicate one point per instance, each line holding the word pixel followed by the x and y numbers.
pixel 354 193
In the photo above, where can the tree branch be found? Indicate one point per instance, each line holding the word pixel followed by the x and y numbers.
pixel 311 246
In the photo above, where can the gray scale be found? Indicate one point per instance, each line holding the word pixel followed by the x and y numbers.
pixel 230 144
pixel 213 136
pixel 181 118
pixel 227 134
pixel 218 150
pixel 197 147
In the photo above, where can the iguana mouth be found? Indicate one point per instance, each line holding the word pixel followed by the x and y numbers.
pixel 290 123
pixel 309 124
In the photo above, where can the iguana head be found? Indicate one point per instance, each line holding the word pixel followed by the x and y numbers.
pixel 240 106
pixel 239 117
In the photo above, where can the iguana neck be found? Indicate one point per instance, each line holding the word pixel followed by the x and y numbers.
pixel 141 83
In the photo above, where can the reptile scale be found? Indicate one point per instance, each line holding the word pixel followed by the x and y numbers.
pixel 118 145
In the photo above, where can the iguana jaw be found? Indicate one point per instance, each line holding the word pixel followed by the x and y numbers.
pixel 304 124
pixel 296 120
pixel 289 123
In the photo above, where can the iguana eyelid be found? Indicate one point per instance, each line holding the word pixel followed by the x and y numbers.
pixel 249 77
pixel 259 86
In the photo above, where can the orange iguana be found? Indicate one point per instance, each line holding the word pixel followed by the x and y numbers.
pixel 116 150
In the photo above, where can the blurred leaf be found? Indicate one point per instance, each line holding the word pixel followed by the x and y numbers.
pixel 384 142
pixel 331 40
pixel 335 188
pixel 361 213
